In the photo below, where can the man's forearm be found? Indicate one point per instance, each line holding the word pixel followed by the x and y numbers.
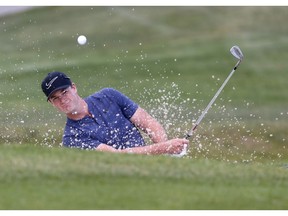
pixel 153 149
pixel 174 146
pixel 156 133
pixel 149 125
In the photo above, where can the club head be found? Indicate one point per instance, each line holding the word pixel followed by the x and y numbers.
pixel 236 52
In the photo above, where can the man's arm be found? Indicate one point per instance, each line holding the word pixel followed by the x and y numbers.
pixel 157 134
pixel 174 146
pixel 149 125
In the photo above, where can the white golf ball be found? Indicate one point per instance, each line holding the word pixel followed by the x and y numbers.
pixel 81 40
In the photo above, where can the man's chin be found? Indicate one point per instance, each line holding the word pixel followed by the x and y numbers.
pixel 66 110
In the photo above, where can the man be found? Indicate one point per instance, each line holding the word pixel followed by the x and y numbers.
pixel 106 121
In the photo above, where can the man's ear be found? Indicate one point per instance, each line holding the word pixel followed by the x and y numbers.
pixel 74 88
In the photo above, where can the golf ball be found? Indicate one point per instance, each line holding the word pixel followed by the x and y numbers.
pixel 81 40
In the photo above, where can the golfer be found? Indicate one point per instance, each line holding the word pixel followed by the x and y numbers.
pixel 106 120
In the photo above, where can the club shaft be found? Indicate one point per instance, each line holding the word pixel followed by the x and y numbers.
pixel 212 101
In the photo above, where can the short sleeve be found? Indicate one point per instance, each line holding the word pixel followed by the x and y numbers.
pixel 127 106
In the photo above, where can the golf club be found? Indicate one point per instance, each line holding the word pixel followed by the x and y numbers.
pixel 236 52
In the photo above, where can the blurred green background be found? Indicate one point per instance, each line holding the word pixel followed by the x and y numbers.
pixel 170 60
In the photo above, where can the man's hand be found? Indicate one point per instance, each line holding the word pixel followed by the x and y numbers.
pixel 174 146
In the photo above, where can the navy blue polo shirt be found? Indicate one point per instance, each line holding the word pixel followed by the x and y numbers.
pixel 109 123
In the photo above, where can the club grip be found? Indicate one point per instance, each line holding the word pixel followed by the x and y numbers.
pixel 187 136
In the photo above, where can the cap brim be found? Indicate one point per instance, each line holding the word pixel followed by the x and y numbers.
pixel 59 88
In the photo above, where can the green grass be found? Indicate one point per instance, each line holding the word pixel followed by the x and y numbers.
pixel 170 60
pixel 55 178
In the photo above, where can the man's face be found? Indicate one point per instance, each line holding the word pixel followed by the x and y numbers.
pixel 65 100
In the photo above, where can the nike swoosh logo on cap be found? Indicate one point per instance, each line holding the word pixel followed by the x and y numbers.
pixel 48 85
